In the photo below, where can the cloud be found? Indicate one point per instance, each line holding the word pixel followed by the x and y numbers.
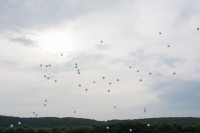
pixel 23 40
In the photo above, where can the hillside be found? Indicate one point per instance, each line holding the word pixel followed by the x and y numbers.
pixel 69 121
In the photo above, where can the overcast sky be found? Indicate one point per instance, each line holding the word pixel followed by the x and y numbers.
pixel 158 39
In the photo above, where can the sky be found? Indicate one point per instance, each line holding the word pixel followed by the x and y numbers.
pixel 147 52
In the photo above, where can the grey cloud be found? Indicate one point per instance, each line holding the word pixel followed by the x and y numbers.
pixel 179 93
pixel 23 40
pixel 39 13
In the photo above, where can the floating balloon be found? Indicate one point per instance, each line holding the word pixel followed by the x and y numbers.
pixel 115 107
pixel 117 79
pixel 140 80
pixel 76 64
pixel 79 73
pixel 11 125
pixel 79 85
pixel 55 80
pixel 137 70
pixel 49 65
pixel 48 78
pixel 46 65
pixel 130 130
pixel 108 90
pixel 86 89
pixel 145 110
pixel 197 28
pixel 148 125
pixel 107 127
pixel 110 83
pixel 150 73
pixel 101 41
pixel 160 33
pixel 36 115
pixel 45 100
pixel 45 105
pixel 19 123
pixel 40 65
pixel 45 76
pixel 174 73
pixel 74 111
pixel 168 46
pixel 94 82
pixel 61 54
pixel 33 112
pixel 103 77
pixel 130 67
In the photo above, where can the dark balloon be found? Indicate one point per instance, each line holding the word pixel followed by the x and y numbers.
pixel 117 79
pixel 197 28
pixel 108 90
pixel 140 80
pixel 137 70
pixel 103 77
pixel 160 33
pixel 40 65
pixel 110 83
pixel 150 73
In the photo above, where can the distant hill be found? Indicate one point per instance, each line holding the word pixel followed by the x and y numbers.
pixel 47 121
pixel 168 120
pixel 69 121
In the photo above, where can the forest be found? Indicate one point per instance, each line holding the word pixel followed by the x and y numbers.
pixel 80 125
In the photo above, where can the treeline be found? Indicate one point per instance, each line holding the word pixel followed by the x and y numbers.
pixel 46 121
pixel 117 127
pixel 6 121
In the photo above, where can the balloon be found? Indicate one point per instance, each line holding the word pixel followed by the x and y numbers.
pixel 108 90
pixel 94 82
pixel 40 65
pixel 48 78
pixel 130 130
pixel 117 79
pixel 61 54
pixel 130 67
pixel 19 123
pixel 174 73
pixel 150 73
pixel 103 77
pixel 160 33
pixel 197 28
pixel 11 125
pixel 45 76
pixel 140 80
pixel 110 83
pixel 79 85
pixel 107 127
pixel 45 100
pixel 148 124
pixel 55 81
pixel 86 89
pixel 137 70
